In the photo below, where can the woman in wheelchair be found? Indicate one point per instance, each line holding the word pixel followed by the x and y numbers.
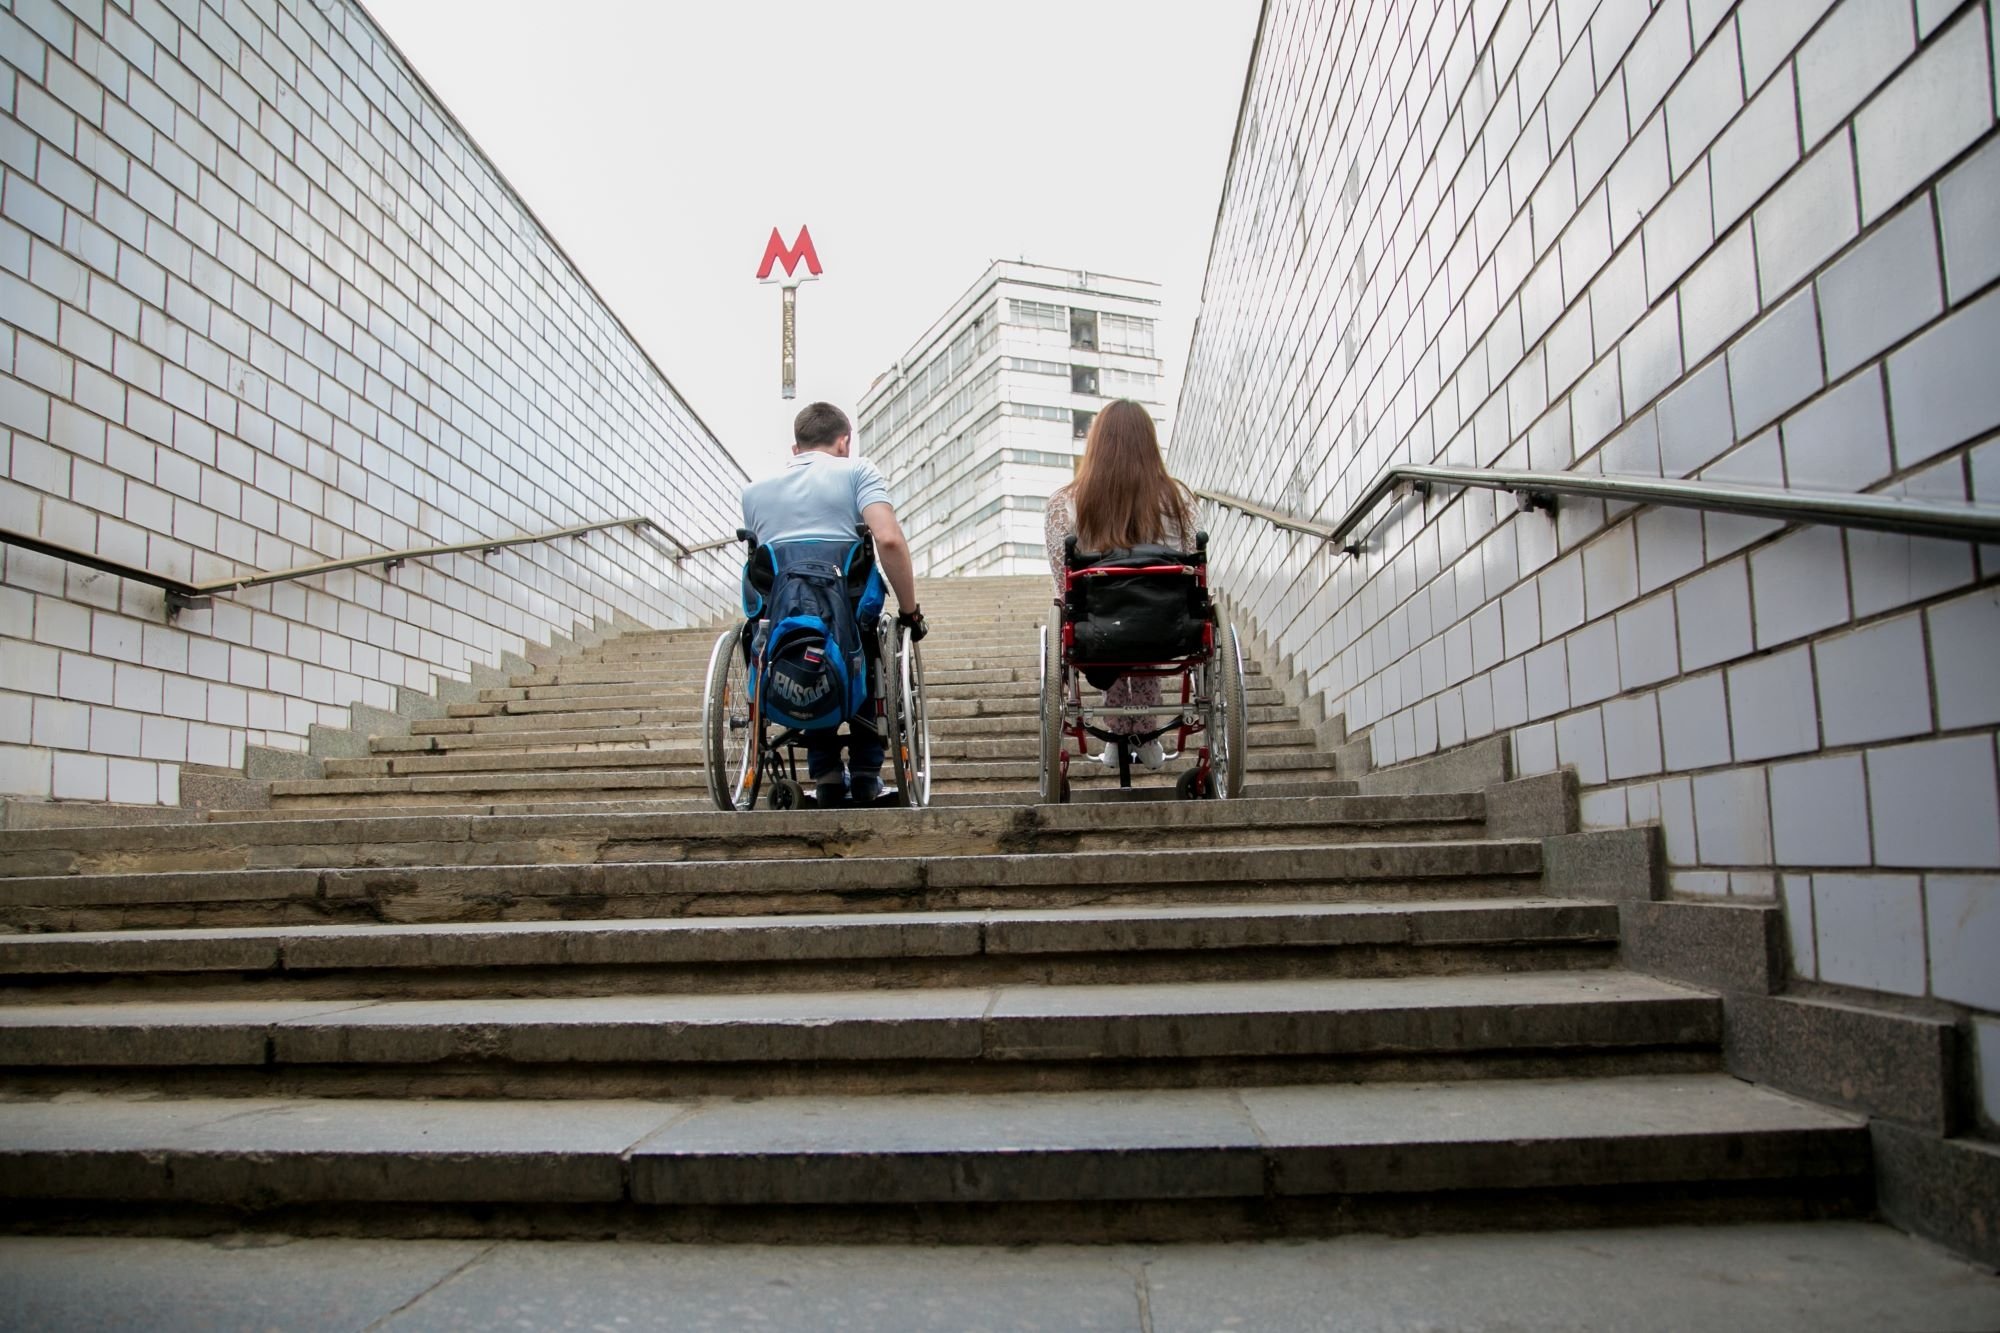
pixel 1122 498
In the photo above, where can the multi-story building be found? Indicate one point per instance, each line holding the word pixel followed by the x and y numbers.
pixel 986 414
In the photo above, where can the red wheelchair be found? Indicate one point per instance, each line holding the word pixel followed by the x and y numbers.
pixel 1143 612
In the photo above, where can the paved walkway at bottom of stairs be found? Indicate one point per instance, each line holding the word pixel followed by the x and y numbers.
pixel 1818 1278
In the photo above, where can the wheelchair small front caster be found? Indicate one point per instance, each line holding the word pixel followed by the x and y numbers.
pixel 1195 785
pixel 787 795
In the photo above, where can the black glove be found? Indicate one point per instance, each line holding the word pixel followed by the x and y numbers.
pixel 913 621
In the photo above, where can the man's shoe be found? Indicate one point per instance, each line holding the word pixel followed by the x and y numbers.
pixel 1152 756
pixel 827 795
pixel 864 789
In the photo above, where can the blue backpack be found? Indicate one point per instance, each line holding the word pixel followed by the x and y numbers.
pixel 808 663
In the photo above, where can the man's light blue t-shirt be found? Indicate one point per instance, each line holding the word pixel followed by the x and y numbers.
pixel 819 495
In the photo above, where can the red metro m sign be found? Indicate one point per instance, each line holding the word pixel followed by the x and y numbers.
pixel 777 252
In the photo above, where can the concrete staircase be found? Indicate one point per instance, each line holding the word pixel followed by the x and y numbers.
pixel 620 726
pixel 509 976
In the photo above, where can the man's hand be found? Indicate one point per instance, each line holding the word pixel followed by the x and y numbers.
pixel 913 621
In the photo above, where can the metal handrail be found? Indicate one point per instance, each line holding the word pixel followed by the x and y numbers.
pixel 1951 520
pixel 182 594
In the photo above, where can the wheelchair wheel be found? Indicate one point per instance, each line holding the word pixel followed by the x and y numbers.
pixel 728 736
pixel 1230 718
pixel 909 722
pixel 786 795
pixel 1054 782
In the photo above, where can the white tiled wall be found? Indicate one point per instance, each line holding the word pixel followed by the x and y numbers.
pixel 1752 240
pixel 265 304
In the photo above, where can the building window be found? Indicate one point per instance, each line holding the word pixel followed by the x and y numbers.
pixel 1035 314
pixel 1083 329
pixel 1129 383
pixel 1034 367
pixel 1132 334
pixel 1083 379
pixel 1079 426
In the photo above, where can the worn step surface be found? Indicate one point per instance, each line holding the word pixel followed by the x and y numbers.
pixel 1007 1026
pixel 992 1165
pixel 605 835
pixel 1350 871
pixel 1175 941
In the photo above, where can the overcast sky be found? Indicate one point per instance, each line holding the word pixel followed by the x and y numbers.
pixel 661 140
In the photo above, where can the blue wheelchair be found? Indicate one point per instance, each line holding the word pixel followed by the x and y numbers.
pixel 768 679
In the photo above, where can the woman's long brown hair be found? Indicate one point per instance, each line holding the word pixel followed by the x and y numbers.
pixel 1122 495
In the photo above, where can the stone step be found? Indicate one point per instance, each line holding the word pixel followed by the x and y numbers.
pixel 1001 796
pixel 641 747
pixel 603 836
pixel 1004 1036
pixel 1150 788
pixel 1024 695
pixel 607 772
pixel 1182 942
pixel 1024 671
pixel 939 648
pixel 1365 871
pixel 440 734
pixel 1151 1165
pixel 552 734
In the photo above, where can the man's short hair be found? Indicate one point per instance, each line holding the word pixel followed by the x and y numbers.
pixel 818 425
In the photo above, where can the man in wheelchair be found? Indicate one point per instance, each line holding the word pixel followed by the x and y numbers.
pixel 804 522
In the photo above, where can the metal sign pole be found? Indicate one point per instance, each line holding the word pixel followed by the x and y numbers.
pixel 789 345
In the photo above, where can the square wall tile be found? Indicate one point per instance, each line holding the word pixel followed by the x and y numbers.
pixel 1535 750
pixel 1694 720
pixel 1801 585
pixel 1601 809
pixel 1772 710
pixel 1714 615
pixel 1969 216
pixel 1580 745
pixel 1670 546
pixel 1548 680
pixel 1631 737
pixel 1647 648
pixel 1963 912
pixel 1883 289
pixel 1942 390
pixel 1870 932
pixel 1610 571
pixel 1819 812
pixel 1840 440
pixel 1873 682
pixel 1733 818
pixel 1776 365
pixel 1965 659
pixel 1593 662
pixel 1561 586
pixel 1936 804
